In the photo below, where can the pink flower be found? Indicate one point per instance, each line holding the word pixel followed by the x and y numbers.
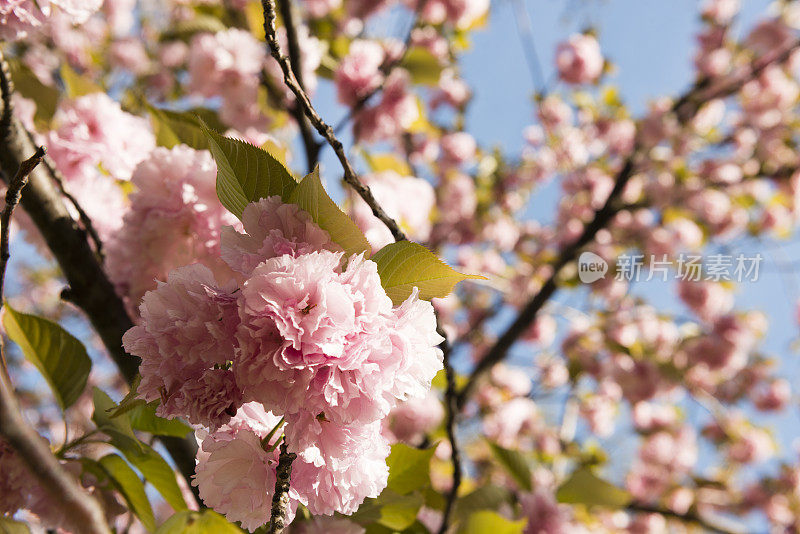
pixel 579 59
pixel 720 11
pixel 319 8
pixel 408 200
pixel 18 17
pixel 775 396
pixel 320 338
pixel 359 71
pixel 458 148
pixel 235 475
pixel 409 421
pixel 94 130
pixel 272 229
pixel 15 481
pixel 338 466
pixel 395 113
pixel 174 219
pixel 188 329
pixel 545 515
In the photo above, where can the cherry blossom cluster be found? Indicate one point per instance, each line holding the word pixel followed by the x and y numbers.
pixel 302 337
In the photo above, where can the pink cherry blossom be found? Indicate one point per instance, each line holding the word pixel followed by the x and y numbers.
pixel 579 59
pixel 174 219
pixel 272 229
pixel 359 72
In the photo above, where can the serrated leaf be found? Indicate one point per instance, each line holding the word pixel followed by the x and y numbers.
pixel 515 465
pixel 422 65
pixel 409 468
pixel 584 487
pixel 77 84
pixel 127 482
pixel 404 265
pixel 204 522
pixel 246 173
pixel 390 509
pixel 487 521
pixel 311 196
pixel 28 85
pixel 56 353
pixel 9 526
pixel 174 128
pixel 117 428
pixel 129 402
pixel 143 417
pixel 156 471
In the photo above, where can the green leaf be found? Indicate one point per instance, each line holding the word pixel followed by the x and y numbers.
pixel 28 85
pixel 246 173
pixel 175 128
pixel 424 67
pixel 390 509
pixel 156 471
pixel 404 265
pixel 584 487
pixel 487 497
pixel 311 196
pixel 409 468
pixel 204 522
pixel 486 521
pixel 129 402
pixel 144 418
pixel 127 482
pixel 58 355
pixel 515 464
pixel 117 427
pixel 9 526
pixel 77 84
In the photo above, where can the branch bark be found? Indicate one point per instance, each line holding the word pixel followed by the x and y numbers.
pixel 290 79
pixel 90 288
pixel 280 500
pixel 684 109
pixel 77 505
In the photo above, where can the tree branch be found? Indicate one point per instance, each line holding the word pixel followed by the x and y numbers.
pixel 13 194
pixel 451 408
pixel 290 79
pixel 312 147
pixel 280 500
pixel 684 109
pixel 90 288
pixel 716 525
pixel 76 504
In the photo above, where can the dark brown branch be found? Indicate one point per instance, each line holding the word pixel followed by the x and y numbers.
pixel 90 288
pixel 290 79
pixel 280 500
pixel 13 194
pixel 83 511
pixel 684 109
pixel 76 504
pixel 451 407
pixel 312 147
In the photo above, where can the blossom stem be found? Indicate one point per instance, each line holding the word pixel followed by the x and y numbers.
pixel 290 79
pixel 280 500
pixel 268 437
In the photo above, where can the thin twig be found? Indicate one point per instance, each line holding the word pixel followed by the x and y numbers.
pixel 13 194
pixel 684 109
pixel 312 147
pixel 280 500
pixel 717 525
pixel 76 504
pixel 451 408
pixel 290 79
